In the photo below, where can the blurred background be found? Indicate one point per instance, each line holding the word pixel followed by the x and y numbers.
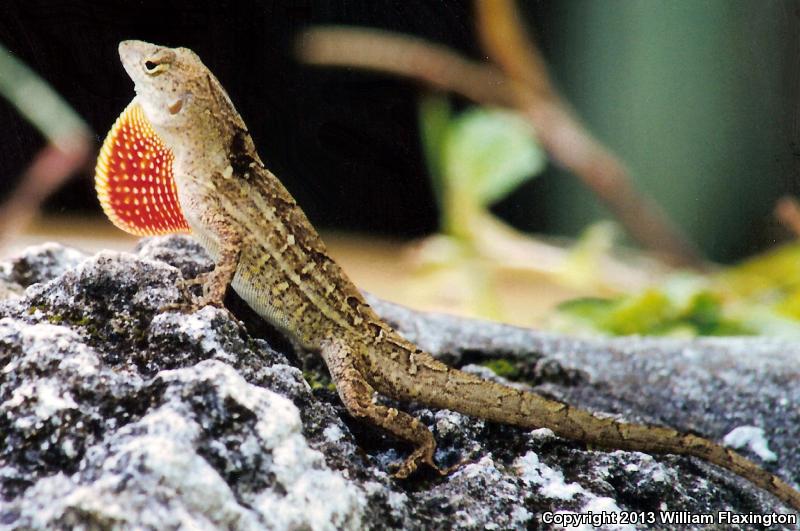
pixel 699 98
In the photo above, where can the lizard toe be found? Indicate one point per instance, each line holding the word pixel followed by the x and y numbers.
pixel 181 307
pixel 403 470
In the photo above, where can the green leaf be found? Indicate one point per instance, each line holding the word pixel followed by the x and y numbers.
pixel 592 309
pixel 658 312
pixel 775 271
pixel 488 153
pixel 639 314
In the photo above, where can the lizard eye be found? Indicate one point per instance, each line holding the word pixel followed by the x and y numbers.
pixel 154 67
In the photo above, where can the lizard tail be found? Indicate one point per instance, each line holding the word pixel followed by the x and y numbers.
pixel 530 410
pixel 450 388
pixel 572 423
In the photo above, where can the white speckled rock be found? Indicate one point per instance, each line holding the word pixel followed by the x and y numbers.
pixel 114 414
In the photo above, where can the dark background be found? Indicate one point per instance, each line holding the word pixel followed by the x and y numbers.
pixel 346 143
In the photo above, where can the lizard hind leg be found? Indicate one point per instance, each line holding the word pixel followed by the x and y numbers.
pixel 356 394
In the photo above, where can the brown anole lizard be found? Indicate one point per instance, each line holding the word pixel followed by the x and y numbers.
pixel 180 159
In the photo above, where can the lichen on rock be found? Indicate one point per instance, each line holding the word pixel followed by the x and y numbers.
pixel 115 413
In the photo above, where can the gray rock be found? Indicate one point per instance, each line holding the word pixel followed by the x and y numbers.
pixel 116 414
pixel 40 263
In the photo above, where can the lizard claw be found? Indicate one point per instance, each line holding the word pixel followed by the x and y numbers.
pixel 404 469
pixel 452 468
pixel 194 302
pixel 420 455
pixel 182 305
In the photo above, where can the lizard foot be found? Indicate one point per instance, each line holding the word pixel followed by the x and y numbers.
pixel 181 307
pixel 410 465
pixel 422 454
pixel 189 302
pixel 357 396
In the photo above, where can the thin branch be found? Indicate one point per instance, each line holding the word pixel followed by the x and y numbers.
pixel 51 167
pixel 402 55
pixel 506 41
pixel 68 149
pixel 787 210
pixel 559 132
pixel 567 141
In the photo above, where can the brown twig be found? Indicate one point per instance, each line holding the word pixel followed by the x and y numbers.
pixel 403 55
pixel 525 88
pixel 51 167
pixel 567 141
pixel 69 142
pixel 787 210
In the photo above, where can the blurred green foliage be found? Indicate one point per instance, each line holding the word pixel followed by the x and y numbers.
pixel 38 102
pixel 503 367
pixel 696 96
pixel 476 158
pixel 488 153
pixel 652 312
pixel 759 296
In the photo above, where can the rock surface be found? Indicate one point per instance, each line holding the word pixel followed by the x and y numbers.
pixel 114 414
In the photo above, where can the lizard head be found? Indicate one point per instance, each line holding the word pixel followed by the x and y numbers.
pixel 172 85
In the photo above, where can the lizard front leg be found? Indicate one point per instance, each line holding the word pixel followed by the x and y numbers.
pixel 356 394
pixel 229 250
pixel 216 281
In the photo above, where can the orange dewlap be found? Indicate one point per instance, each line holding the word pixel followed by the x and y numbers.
pixel 134 179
